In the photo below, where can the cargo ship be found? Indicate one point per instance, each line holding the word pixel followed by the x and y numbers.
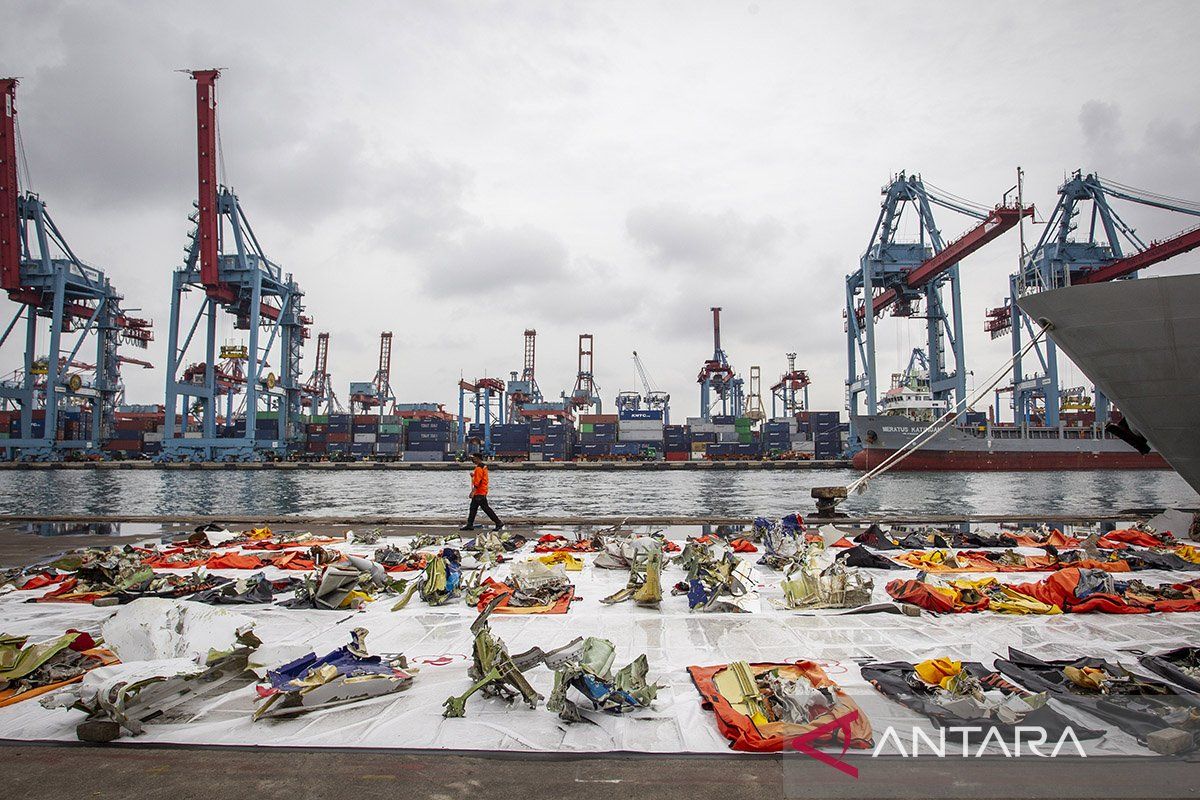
pixel 908 408
pixel 1137 341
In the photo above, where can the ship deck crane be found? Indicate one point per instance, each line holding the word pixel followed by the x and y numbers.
pixel 784 391
pixel 897 275
pixel 41 273
pixel 377 392
pixel 318 389
pixel 1111 251
pixel 226 264
pixel 718 378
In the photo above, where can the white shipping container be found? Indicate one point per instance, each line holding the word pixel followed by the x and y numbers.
pixel 535 456
pixel 639 425
pixel 193 435
pixel 152 437
pixel 802 445
pixel 364 438
pixel 727 436
pixel 640 436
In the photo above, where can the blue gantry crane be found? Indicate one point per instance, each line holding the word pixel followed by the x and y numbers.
pixel 1111 251
pixel 488 404
pixel 225 263
pixel 899 275
pixel 719 384
pixel 41 273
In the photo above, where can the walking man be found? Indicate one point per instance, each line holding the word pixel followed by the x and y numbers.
pixel 479 493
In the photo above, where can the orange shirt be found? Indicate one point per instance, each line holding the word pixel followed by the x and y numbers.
pixel 479 481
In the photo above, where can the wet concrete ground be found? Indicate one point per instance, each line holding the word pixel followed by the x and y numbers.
pixel 32 772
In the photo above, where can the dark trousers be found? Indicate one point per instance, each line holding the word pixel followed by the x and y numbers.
pixel 479 501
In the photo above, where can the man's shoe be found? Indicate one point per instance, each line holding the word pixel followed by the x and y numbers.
pixel 467 528
pixel 498 528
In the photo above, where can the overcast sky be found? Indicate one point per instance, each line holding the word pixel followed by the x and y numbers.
pixel 458 172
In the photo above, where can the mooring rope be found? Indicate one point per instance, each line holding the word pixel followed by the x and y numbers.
pixel 943 421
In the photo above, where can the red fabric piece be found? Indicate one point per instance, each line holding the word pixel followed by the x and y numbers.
pixel 82 642
pixel 743 546
pixel 307 543
pixel 1115 540
pixel 234 561
pixel 292 559
pixel 42 580
pixel 919 594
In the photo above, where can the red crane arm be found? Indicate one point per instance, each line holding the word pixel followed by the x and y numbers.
pixel 10 230
pixel 1156 252
pixel 1001 219
pixel 208 221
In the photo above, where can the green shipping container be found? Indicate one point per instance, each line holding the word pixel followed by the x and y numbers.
pixel 586 427
pixel 389 427
pixel 319 419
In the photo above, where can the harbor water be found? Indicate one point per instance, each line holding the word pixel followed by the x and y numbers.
pixel 577 493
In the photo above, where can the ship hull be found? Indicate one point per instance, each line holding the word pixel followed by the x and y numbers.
pixel 1008 461
pixel 1137 340
pixel 999 448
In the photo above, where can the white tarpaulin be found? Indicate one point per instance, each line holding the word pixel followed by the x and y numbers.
pixel 438 643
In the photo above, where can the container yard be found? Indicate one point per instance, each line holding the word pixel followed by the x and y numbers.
pixel 712 400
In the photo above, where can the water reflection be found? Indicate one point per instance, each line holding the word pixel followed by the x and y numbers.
pixel 734 493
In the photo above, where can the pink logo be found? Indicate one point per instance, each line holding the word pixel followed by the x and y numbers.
pixel 806 741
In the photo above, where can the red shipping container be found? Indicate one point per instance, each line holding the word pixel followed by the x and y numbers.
pixel 677 456
pixel 123 444
pixel 363 419
pixel 339 438
pixel 315 447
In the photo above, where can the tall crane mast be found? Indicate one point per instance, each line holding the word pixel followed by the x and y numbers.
pixel 226 262
pixel 899 275
pixel 717 378
pixel 524 390
pixel 318 389
pixel 41 273
pixel 1112 250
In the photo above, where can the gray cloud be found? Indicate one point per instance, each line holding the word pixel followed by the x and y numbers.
pixel 1101 123
pixel 615 170
pixel 488 259
pixel 678 236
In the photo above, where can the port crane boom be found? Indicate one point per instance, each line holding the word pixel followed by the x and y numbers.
pixel 1112 250
pixel 46 279
pixel 896 275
